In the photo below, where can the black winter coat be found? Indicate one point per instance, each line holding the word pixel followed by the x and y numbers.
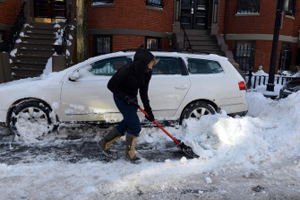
pixel 133 77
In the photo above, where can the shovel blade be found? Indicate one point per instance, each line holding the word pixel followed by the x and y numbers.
pixel 187 150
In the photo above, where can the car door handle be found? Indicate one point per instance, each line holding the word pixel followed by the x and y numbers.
pixel 181 87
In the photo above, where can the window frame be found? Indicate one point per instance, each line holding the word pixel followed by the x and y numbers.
pixel 103 1
pixel 95 44
pixel 254 9
pixel 156 38
pixel 250 59
pixel 291 8
pixel 150 3
pixel 2 32
pixel 285 59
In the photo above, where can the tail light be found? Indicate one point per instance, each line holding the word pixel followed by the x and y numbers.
pixel 242 85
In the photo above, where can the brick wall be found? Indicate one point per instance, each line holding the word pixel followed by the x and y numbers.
pixel 9 10
pixel 260 24
pixel 222 16
pixel 131 14
pixel 263 23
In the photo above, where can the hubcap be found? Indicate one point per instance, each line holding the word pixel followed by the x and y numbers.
pixel 32 115
pixel 198 112
pixel 31 123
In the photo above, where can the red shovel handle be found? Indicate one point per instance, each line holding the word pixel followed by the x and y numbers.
pixel 157 124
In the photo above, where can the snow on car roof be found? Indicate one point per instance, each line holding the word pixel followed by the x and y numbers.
pixel 160 53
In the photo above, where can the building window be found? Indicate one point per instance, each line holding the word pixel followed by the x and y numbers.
pixel 2 40
pixel 103 44
pixel 158 3
pixel 103 1
pixel 285 57
pixel 247 6
pixel 291 8
pixel 244 54
pixel 153 43
pixel 2 36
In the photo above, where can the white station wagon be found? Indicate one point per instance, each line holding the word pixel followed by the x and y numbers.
pixel 183 85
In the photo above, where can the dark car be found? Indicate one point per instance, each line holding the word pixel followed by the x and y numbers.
pixel 289 88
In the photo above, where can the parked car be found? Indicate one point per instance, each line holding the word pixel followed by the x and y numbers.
pixel 183 85
pixel 289 88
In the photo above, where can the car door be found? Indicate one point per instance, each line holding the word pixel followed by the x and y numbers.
pixel 88 98
pixel 168 86
pixel 213 81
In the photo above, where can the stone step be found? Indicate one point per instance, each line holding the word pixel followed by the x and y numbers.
pixel 35 51
pixel 32 58
pixel 36 45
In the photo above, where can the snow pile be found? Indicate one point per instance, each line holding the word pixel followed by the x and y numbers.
pixel 234 152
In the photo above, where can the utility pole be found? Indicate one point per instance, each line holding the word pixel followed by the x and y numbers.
pixel 281 6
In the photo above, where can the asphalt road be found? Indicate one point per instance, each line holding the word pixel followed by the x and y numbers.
pixel 73 148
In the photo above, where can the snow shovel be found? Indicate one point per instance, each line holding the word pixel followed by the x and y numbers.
pixel 186 149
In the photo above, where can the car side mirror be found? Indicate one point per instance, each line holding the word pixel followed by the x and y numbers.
pixel 74 76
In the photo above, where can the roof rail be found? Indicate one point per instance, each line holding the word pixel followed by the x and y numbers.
pixel 189 50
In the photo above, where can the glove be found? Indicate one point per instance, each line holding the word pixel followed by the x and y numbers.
pixel 149 112
pixel 131 100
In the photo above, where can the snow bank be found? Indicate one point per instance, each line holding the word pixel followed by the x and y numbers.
pixel 267 136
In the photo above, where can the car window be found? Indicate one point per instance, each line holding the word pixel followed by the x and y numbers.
pixel 109 66
pixel 167 65
pixel 202 66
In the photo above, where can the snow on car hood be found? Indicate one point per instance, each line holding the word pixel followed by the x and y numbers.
pixel 30 87
pixel 52 77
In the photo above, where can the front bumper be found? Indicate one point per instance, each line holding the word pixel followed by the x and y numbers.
pixel 3 116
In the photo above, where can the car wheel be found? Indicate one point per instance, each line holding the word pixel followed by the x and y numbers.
pixel 198 109
pixel 31 120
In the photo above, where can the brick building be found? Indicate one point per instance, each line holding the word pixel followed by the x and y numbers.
pixel 242 30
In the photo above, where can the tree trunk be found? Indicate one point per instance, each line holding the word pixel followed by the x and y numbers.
pixel 82 30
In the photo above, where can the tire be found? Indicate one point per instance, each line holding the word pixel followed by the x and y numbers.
pixel 30 120
pixel 198 109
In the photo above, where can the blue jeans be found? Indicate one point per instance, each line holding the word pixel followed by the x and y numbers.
pixel 131 122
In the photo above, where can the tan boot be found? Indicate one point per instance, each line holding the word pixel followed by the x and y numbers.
pixel 130 149
pixel 107 140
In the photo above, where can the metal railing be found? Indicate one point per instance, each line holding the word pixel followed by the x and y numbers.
pixel 65 36
pixel 185 35
pixel 257 80
pixel 15 29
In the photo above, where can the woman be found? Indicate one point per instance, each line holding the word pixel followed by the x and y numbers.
pixel 124 85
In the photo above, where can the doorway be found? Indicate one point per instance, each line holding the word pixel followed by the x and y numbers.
pixel 50 9
pixel 194 14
